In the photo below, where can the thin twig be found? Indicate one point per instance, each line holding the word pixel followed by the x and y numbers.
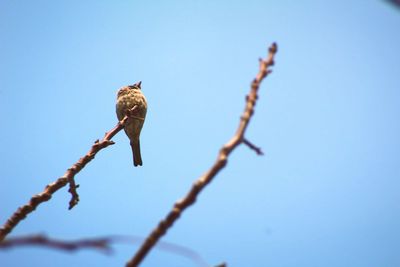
pixel 68 177
pixel 220 163
pixel 253 147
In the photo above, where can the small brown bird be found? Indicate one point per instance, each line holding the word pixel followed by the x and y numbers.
pixel 127 98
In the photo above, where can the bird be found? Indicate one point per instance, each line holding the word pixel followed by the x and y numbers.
pixel 127 98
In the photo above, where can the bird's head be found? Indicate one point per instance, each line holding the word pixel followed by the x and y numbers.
pixel 136 85
pixel 126 89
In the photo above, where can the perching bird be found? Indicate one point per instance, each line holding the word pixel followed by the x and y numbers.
pixel 127 98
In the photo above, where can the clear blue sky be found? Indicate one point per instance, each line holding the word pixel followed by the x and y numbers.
pixel 325 194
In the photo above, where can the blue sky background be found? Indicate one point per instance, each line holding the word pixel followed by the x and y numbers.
pixel 325 194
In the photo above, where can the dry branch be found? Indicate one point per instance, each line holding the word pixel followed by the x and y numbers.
pixel 68 177
pixel 220 163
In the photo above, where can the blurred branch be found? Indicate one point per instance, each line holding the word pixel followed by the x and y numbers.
pixel 102 244
pixel 68 177
pixel 220 163
pixel 396 3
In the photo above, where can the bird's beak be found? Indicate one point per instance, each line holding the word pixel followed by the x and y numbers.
pixel 139 84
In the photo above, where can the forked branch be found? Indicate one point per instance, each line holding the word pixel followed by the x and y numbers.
pixel 68 177
pixel 220 163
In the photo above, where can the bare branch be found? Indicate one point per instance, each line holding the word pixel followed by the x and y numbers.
pixel 220 163
pixel 68 177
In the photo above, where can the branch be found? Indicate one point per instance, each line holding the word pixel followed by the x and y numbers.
pixel 220 163
pixel 102 244
pixel 68 177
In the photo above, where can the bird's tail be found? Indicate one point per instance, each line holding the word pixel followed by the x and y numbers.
pixel 137 158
